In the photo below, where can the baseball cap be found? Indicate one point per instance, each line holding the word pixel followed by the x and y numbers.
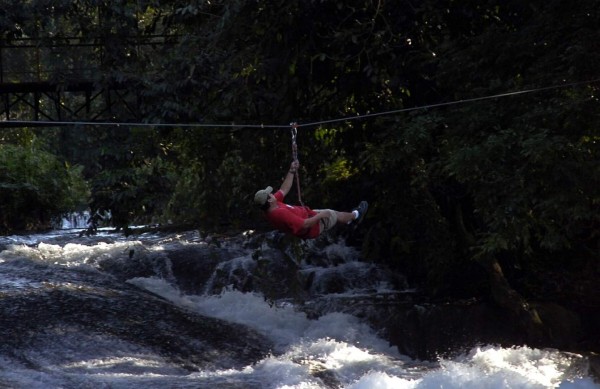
pixel 262 195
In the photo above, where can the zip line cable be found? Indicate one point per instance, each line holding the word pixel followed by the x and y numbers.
pixel 281 126
pixel 455 102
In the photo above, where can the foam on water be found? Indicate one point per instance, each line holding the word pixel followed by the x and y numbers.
pixel 71 254
pixel 69 358
pixel 282 324
pixel 355 357
pixel 336 350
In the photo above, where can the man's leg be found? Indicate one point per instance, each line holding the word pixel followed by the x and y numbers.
pixel 345 217
pixel 337 217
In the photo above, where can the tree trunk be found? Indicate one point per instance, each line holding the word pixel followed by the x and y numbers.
pixel 508 298
pixel 501 291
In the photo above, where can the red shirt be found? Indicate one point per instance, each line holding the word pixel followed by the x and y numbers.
pixel 290 219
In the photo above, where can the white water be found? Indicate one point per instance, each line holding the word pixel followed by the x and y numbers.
pixel 359 358
pixel 75 220
pixel 337 350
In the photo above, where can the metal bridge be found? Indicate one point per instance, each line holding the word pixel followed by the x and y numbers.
pixel 64 79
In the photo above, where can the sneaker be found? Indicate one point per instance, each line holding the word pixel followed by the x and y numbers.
pixel 362 211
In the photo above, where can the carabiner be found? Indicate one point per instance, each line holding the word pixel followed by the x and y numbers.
pixel 294 130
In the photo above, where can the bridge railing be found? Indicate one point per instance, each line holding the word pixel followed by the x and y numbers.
pixel 56 79
pixel 69 58
pixel 34 60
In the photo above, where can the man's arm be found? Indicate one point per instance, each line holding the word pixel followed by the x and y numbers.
pixel 314 219
pixel 289 178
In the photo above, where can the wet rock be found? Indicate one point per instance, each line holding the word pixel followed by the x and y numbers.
pixel 563 326
pixel 426 330
pixel 193 266
pixel 65 302
pixel 594 359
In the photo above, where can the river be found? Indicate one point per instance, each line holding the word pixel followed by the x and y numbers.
pixel 181 310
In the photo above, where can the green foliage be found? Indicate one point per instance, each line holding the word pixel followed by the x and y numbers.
pixel 514 177
pixel 526 177
pixel 134 194
pixel 132 177
pixel 36 188
pixel 408 228
pixel 187 202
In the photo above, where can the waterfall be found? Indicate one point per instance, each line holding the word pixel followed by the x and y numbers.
pixel 75 220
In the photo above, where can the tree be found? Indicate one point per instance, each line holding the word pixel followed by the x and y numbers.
pixel 515 178
pixel 36 188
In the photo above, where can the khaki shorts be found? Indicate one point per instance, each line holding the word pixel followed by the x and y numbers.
pixel 329 222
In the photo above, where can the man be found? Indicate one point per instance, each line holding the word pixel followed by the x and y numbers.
pixel 300 221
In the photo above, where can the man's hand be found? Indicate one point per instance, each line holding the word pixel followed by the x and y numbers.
pixel 311 221
pixel 294 166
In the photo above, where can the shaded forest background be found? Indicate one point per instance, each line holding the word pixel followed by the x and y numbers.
pixel 501 191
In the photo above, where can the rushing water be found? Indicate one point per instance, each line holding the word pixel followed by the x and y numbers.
pixel 182 311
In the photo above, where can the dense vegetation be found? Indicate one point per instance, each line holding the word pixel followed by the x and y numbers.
pixel 509 183
pixel 35 187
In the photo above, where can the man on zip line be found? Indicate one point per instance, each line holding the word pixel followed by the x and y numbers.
pixel 302 221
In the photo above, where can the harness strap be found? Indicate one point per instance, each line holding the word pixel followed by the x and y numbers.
pixel 294 130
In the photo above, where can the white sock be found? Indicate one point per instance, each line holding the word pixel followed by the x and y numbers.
pixel 356 214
